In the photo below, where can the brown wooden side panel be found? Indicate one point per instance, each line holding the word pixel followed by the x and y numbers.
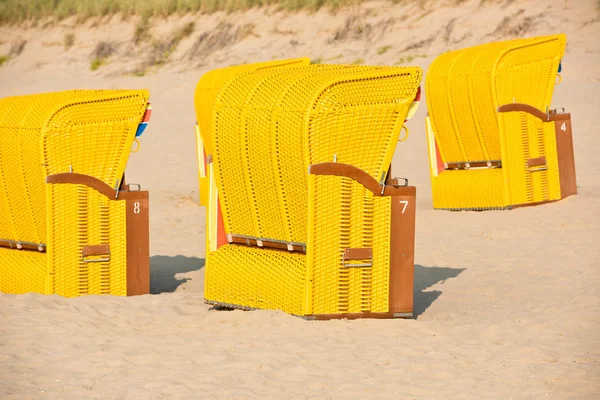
pixel 402 258
pixel 138 243
pixel 566 158
pixel 325 317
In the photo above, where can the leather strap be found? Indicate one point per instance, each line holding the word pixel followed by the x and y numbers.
pixel 360 176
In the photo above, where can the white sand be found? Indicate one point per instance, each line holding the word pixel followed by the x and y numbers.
pixel 507 302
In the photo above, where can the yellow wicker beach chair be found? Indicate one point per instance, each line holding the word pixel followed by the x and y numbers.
pixel 313 225
pixel 493 141
pixel 69 224
pixel 204 97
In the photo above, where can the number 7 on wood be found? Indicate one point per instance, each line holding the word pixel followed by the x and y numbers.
pixel 405 203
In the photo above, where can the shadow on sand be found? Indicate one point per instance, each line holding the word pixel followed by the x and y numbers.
pixel 426 277
pixel 163 271
pixel 164 268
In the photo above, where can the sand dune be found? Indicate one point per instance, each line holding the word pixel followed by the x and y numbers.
pixel 507 302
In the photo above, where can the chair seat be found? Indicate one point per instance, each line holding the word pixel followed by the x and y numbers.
pixel 476 189
pixel 22 271
pixel 248 277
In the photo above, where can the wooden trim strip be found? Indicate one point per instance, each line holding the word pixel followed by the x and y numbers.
pixel 402 254
pixel 474 164
pixel 9 244
pixel 360 176
pixel 566 157
pixel 511 107
pixel 266 243
pixel 374 315
pixel 138 243
pixel 94 183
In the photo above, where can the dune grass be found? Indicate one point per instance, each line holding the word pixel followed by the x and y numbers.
pixel 97 63
pixel 12 11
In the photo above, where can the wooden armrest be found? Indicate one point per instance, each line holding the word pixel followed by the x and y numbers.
pixel 360 176
pixel 542 116
pixel 94 183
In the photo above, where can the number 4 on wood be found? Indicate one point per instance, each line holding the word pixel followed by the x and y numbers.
pixel 563 127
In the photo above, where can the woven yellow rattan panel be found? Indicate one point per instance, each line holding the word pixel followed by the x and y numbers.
pixel 95 136
pixel 82 216
pixel 206 91
pixel 22 271
pixel 474 189
pixel 529 71
pixel 460 103
pixel 269 125
pixel 256 278
pixel 346 215
pixel 465 87
pixel 211 83
pixel 88 130
pixel 526 137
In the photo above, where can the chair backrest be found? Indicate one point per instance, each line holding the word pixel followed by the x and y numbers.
pixel 465 87
pixel 211 83
pixel 86 131
pixel 269 125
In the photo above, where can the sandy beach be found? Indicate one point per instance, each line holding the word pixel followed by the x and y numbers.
pixel 507 302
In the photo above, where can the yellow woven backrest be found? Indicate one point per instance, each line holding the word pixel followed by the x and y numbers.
pixel 465 87
pixel 206 91
pixel 212 81
pixel 86 131
pixel 269 125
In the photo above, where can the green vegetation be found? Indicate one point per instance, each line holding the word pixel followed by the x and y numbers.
pixel 97 63
pixel 409 59
pixel 19 10
pixel 383 49
pixel 3 59
pixel 102 51
pixel 317 60
pixel 358 61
